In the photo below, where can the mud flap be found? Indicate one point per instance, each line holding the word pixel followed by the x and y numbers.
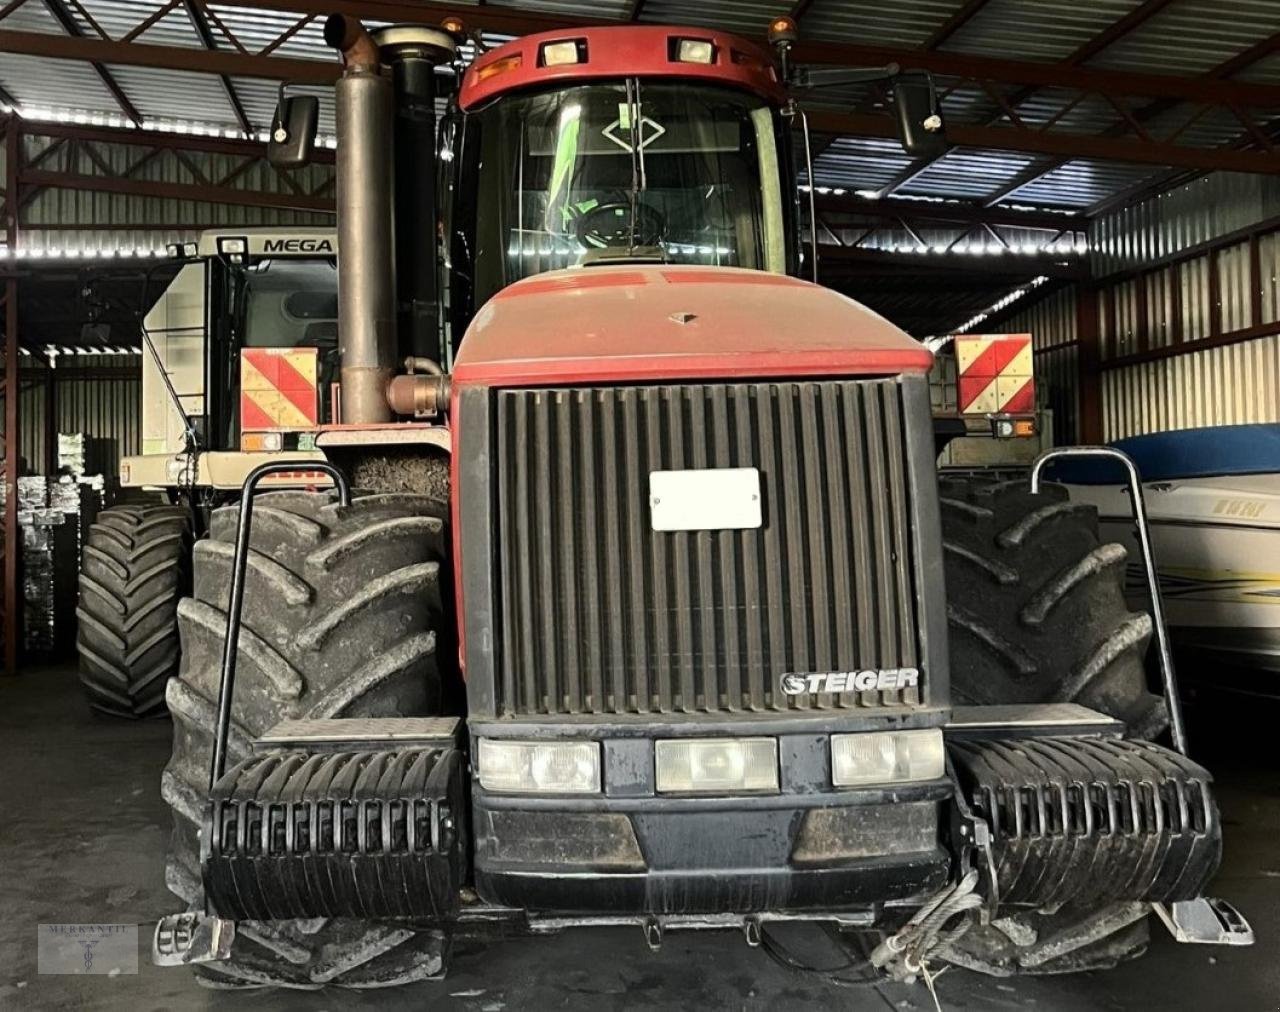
pixel 365 833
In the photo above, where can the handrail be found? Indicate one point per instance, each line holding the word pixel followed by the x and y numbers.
pixel 1167 675
pixel 235 606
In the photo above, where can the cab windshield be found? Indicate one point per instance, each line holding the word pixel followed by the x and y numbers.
pixel 614 172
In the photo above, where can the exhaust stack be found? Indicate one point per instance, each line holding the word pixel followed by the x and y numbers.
pixel 366 266
pixel 386 135
pixel 412 53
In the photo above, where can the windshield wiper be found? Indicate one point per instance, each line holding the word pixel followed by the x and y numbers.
pixel 639 182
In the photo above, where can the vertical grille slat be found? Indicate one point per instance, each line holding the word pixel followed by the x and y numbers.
pixel 546 615
pixel 588 496
pixel 599 614
pixel 678 557
pixel 834 453
pixel 791 518
pixel 659 571
pixel 510 616
pixel 566 573
pixel 817 530
pixel 726 544
pixel 636 516
pixel 707 693
pixel 877 484
pixel 744 399
pixel 896 454
pixel 608 586
pixel 864 598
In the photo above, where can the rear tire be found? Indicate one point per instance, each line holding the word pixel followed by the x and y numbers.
pixel 342 610
pixel 1035 605
pixel 134 568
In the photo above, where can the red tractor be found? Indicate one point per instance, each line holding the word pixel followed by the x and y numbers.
pixel 650 608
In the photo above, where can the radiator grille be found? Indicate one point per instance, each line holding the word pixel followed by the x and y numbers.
pixel 599 614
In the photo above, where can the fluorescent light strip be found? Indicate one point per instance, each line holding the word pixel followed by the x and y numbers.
pixel 83 253
pixel 1004 303
pixel 166 125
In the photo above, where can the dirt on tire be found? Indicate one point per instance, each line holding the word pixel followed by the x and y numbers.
pixel 1035 604
pixel 342 618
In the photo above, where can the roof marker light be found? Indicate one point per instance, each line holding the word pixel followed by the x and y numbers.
pixel 695 51
pixel 561 54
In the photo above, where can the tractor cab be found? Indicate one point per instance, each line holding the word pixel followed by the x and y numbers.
pixel 636 145
pixel 554 171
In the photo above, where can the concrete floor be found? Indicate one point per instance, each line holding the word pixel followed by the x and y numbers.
pixel 83 832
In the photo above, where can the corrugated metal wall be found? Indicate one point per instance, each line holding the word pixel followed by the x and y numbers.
pixel 1209 296
pixel 1051 322
pixel 1216 386
pixel 1206 296
pixel 1206 209
pixel 107 408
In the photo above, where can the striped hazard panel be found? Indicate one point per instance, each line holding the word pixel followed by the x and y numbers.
pixel 278 388
pixel 994 374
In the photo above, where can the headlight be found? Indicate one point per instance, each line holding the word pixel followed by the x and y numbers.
pixel 886 757
pixel 548 767
pixel 695 765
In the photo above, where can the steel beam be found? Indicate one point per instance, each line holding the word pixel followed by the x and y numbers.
pixel 1226 69
pixel 12 543
pixel 1048 75
pixel 953 211
pixel 1123 149
pixel 1013 264
pixel 60 47
pixel 1137 17
pixel 195 13
pixel 238 147
pixel 176 191
pixel 1117 30
pixel 73 30
pixel 517 22
pixel 962 16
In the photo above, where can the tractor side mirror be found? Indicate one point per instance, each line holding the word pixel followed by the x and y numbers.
pixel 920 127
pixel 293 131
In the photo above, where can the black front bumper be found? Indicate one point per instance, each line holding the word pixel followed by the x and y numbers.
pixel 827 852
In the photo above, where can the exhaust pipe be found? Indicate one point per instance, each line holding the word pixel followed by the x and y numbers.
pixel 387 273
pixel 366 265
pixel 412 53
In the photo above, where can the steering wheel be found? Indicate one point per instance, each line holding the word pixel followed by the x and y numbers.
pixel 609 224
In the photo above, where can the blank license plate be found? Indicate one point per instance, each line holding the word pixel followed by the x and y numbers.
pixel 710 499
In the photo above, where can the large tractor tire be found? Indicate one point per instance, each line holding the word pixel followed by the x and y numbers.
pixel 134 567
pixel 1036 609
pixel 343 617
pixel 1035 605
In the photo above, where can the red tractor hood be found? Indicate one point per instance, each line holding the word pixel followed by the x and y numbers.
pixel 643 324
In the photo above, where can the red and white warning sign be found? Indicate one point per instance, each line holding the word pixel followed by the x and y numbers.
pixel 278 388
pixel 994 374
